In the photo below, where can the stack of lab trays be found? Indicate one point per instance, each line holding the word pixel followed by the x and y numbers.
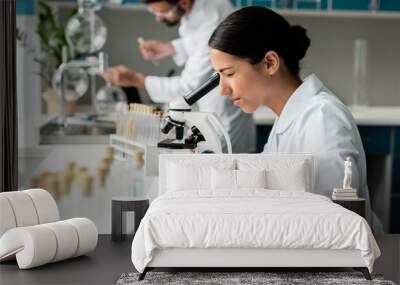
pixel 344 194
pixel 140 123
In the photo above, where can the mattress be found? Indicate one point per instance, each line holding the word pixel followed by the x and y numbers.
pixel 250 219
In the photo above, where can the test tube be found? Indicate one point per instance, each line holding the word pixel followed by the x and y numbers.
pixel 123 121
pixel 153 61
pixel 130 122
pixel 139 123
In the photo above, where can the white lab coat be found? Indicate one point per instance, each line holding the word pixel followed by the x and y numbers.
pixel 192 51
pixel 316 121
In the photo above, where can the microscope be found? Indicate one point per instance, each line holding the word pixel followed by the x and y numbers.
pixel 207 133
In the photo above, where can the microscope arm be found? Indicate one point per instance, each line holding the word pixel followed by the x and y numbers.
pixel 209 126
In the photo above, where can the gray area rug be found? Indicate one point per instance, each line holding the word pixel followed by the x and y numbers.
pixel 229 278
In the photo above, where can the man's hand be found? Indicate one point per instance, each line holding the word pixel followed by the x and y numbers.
pixel 124 77
pixel 153 50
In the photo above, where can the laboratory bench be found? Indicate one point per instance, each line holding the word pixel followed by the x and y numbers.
pixel 379 129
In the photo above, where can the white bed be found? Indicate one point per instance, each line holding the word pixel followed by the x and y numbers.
pixel 203 221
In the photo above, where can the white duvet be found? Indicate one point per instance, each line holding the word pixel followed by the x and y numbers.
pixel 256 218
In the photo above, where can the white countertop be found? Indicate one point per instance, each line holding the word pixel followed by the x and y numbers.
pixel 364 116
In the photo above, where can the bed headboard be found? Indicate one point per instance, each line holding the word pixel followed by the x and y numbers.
pixel 286 162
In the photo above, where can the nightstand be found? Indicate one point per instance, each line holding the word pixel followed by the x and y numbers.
pixel 356 205
pixel 119 205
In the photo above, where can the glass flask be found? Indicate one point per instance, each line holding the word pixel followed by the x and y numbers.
pixel 360 96
pixel 374 5
pixel 108 99
pixel 85 31
pixel 76 82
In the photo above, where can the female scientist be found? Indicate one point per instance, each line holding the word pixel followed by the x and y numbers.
pixel 257 54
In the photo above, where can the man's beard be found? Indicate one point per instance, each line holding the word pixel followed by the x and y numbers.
pixel 180 12
pixel 171 23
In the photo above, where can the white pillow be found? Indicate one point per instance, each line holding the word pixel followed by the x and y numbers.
pixel 223 179
pixel 281 174
pixel 193 174
pixel 230 180
pixel 251 178
pixel 293 180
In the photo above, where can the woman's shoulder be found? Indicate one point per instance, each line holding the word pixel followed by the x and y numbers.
pixel 327 108
pixel 327 101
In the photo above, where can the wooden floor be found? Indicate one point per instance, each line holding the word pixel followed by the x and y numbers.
pixel 110 260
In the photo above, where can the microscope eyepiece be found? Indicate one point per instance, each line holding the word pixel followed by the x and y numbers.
pixel 202 90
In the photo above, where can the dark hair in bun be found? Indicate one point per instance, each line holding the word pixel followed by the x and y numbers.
pixel 253 31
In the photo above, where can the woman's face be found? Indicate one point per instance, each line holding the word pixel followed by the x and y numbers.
pixel 244 83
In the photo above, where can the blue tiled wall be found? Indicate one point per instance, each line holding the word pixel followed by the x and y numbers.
pixel 25 7
pixel 387 5
pixel 130 1
pixel 390 5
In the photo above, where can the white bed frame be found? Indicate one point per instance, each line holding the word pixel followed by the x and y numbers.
pixel 246 259
pixel 242 258
pixel 234 257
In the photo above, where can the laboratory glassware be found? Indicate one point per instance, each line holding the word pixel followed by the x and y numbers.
pixel 360 73
pixel 108 98
pixel 85 31
pixel 374 5
pixel 75 83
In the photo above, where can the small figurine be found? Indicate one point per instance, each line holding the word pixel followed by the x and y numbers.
pixel 347 174
pixel 347 192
